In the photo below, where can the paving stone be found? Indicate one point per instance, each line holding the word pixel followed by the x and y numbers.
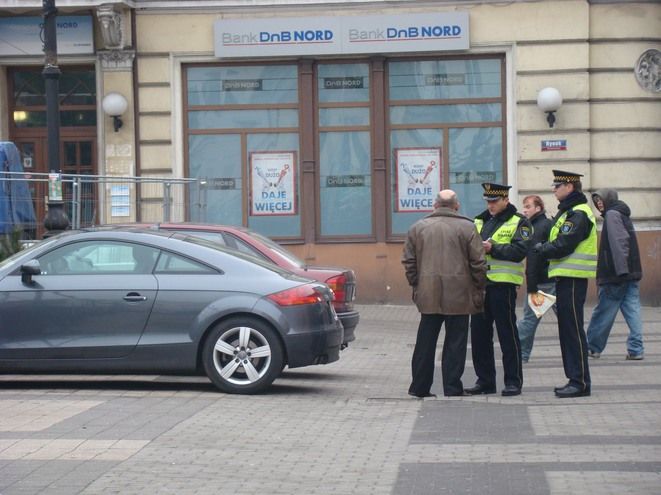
pixel 347 428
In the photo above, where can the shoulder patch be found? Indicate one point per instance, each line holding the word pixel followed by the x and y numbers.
pixel 567 227
pixel 525 232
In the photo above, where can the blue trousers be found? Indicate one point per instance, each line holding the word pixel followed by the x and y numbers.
pixel 613 298
pixel 527 326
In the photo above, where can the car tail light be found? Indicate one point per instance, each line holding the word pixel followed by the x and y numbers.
pixel 303 294
pixel 338 284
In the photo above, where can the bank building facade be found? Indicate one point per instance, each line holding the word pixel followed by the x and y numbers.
pixel 331 125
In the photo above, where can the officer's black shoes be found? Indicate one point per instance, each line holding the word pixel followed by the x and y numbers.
pixel 421 396
pixel 510 390
pixel 572 391
pixel 480 390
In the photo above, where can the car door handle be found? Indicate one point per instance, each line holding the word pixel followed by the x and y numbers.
pixel 134 297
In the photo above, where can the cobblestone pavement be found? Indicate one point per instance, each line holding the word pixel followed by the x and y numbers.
pixel 345 428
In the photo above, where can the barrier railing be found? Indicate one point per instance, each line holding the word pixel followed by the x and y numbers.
pixel 96 199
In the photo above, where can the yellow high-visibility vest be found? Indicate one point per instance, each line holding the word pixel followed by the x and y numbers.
pixel 500 270
pixel 582 263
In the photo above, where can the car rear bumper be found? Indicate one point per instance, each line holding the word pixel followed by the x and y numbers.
pixel 318 347
pixel 349 321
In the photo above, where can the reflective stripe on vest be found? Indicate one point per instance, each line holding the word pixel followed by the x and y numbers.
pixel 582 263
pixel 510 272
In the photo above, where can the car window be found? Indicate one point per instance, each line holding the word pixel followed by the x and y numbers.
pixel 210 236
pixel 194 239
pixel 271 244
pixel 170 263
pixel 99 257
pixel 242 246
pixel 26 251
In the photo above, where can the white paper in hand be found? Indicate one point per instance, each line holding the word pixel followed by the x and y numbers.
pixel 540 302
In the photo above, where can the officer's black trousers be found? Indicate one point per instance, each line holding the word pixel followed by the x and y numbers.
pixel 453 358
pixel 570 293
pixel 499 306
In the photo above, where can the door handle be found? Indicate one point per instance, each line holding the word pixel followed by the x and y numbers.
pixel 134 297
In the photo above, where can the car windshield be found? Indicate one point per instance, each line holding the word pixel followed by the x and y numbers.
pixel 201 241
pixel 277 248
pixel 23 252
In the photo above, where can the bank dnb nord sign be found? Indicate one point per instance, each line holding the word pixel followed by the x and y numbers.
pixel 341 35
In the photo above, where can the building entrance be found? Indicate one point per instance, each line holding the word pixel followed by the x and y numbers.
pixel 78 133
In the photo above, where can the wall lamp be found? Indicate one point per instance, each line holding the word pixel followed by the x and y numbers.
pixel 549 100
pixel 114 105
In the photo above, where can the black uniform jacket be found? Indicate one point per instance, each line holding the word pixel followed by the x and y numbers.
pixel 578 228
pixel 537 267
pixel 517 249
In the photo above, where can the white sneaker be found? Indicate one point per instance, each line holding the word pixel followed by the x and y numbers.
pixel 594 355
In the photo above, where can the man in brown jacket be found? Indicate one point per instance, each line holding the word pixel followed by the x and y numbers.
pixel 445 264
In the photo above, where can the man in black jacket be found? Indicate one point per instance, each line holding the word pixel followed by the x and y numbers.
pixel 505 237
pixel 537 272
pixel 618 274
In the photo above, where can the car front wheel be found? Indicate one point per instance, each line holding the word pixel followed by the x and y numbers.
pixel 242 356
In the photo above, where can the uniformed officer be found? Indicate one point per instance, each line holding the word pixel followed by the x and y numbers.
pixel 505 237
pixel 572 251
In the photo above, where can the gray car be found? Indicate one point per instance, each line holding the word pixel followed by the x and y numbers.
pixel 136 301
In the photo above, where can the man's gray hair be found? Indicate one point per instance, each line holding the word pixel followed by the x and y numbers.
pixel 447 198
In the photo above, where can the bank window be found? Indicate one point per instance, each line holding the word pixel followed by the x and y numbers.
pixel 345 180
pixel 242 85
pixel 243 141
pixel 437 142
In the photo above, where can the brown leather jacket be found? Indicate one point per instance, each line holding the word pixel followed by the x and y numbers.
pixel 445 264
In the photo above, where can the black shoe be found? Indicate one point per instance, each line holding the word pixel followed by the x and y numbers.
pixel 480 390
pixel 510 390
pixel 463 393
pixel 421 396
pixel 572 391
pixel 560 387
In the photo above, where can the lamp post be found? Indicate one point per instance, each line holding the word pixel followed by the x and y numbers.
pixel 56 219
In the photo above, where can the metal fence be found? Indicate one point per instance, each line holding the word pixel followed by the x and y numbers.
pixel 102 199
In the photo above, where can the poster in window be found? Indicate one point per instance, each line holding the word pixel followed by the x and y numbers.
pixel 418 178
pixel 273 183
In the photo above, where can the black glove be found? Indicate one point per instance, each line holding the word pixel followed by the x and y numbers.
pixel 537 248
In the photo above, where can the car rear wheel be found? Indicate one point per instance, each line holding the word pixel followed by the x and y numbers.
pixel 242 356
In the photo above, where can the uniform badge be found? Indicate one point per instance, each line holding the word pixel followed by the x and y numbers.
pixel 525 232
pixel 566 227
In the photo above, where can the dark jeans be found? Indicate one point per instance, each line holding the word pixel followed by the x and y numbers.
pixel 499 306
pixel 453 358
pixel 570 293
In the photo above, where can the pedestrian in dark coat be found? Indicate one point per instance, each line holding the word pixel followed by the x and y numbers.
pixel 618 274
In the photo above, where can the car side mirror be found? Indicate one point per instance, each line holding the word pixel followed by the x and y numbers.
pixel 30 268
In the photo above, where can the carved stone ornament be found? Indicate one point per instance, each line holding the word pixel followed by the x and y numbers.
pixel 116 60
pixel 648 70
pixel 110 22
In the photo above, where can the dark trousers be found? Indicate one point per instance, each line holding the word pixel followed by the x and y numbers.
pixel 570 293
pixel 499 306
pixel 453 358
